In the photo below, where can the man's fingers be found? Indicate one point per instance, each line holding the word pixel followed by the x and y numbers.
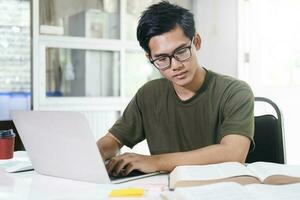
pixel 120 165
pixel 129 168
pixel 125 163
pixel 111 165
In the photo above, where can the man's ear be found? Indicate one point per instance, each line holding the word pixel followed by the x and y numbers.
pixel 147 55
pixel 197 41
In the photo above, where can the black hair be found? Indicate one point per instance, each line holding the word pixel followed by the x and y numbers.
pixel 161 18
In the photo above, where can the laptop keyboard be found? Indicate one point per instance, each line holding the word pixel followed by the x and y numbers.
pixel 131 174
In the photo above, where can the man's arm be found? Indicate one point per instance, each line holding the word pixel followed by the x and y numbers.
pixel 231 148
pixel 108 146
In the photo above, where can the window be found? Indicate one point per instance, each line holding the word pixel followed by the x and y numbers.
pixel 15 73
pixel 87 57
pixel 82 73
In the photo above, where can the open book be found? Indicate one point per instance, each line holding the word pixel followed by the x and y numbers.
pixel 258 172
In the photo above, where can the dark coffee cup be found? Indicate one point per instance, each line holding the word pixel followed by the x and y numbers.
pixel 7 144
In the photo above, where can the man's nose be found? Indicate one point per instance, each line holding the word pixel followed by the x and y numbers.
pixel 175 64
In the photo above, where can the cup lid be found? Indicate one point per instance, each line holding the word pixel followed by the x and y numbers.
pixel 7 133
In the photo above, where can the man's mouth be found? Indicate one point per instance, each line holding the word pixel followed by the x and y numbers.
pixel 180 75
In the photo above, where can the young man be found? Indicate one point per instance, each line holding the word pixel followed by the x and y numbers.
pixel 192 115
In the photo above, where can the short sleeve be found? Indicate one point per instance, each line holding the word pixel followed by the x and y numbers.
pixel 129 128
pixel 238 112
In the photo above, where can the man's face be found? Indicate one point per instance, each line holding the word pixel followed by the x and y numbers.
pixel 179 72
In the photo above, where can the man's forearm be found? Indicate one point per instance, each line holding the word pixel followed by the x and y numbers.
pixel 208 155
pixel 108 146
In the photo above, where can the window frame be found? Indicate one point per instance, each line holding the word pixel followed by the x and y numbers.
pixel 43 41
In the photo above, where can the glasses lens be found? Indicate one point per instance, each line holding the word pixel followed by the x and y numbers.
pixel 183 54
pixel 162 62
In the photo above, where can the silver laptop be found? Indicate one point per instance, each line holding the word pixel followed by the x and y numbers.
pixel 61 144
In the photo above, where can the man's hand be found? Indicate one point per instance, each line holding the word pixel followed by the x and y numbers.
pixel 127 162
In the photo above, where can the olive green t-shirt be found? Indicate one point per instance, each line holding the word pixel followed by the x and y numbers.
pixel 223 105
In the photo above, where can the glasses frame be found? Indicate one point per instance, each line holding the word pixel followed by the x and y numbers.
pixel 172 56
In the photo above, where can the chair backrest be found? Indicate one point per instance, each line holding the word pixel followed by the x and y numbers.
pixel 9 124
pixel 268 137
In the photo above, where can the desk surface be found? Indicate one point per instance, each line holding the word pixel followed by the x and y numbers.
pixel 33 186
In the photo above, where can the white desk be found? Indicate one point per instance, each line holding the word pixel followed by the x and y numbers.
pixel 33 186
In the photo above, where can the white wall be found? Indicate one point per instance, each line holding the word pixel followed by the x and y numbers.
pixel 216 21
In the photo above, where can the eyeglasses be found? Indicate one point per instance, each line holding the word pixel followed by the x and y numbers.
pixel 181 55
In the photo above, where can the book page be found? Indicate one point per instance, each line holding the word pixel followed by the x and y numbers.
pixel 274 192
pixel 224 191
pixel 213 171
pixel 265 169
pixel 234 191
pixel 190 175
